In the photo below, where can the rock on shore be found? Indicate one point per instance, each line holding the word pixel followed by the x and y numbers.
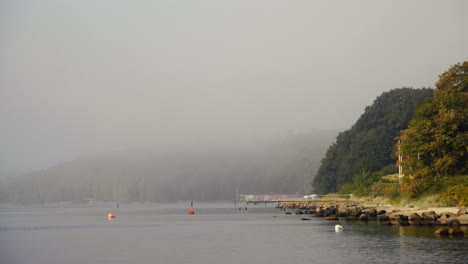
pixel 448 216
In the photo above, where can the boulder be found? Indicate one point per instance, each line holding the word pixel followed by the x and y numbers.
pixel 429 213
pixel 461 211
pixel 331 217
pixel 353 211
pixel 330 211
pixel 342 212
pixel 430 216
pixel 390 216
pixel 381 212
pixel 443 219
pixel 401 217
pixel 455 232
pixel 359 213
pixel 446 214
pixel 372 212
pixel 463 219
pixel 363 217
pixel 383 218
pixel 442 232
pixel 453 221
pixel 414 217
pixel 319 211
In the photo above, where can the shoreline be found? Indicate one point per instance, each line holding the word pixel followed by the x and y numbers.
pixel 445 217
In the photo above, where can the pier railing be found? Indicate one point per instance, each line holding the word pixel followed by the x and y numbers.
pixel 287 200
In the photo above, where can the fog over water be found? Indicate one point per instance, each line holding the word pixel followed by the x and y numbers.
pixel 85 77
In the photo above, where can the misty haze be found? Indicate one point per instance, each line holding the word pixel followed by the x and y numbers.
pixel 202 93
pixel 159 131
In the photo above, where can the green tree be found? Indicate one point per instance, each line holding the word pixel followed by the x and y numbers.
pixel 370 143
pixel 434 146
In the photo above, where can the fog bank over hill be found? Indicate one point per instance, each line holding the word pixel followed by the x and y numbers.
pixel 168 173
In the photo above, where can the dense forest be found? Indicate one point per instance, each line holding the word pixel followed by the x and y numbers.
pixel 427 128
pixel 369 145
pixel 177 172
pixel 435 145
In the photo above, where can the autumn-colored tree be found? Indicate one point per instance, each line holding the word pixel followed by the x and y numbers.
pixel 434 147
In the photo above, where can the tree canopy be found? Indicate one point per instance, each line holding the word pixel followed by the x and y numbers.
pixel 434 146
pixel 369 145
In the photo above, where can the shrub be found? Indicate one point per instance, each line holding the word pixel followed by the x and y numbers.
pixel 347 188
pixel 455 192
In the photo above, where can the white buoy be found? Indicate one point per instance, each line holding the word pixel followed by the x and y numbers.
pixel 338 228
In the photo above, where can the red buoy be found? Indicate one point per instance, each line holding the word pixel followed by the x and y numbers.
pixel 191 212
pixel 111 216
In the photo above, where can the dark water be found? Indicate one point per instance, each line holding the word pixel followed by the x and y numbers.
pixel 215 234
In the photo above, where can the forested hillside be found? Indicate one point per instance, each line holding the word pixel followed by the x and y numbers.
pixel 369 145
pixel 176 172
pixel 435 145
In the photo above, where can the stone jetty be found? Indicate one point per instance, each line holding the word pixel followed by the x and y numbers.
pixel 450 217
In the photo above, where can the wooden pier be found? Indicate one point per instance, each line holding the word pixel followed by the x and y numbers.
pixel 297 201
pixel 317 203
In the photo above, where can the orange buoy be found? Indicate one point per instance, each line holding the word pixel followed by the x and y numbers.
pixel 191 212
pixel 111 216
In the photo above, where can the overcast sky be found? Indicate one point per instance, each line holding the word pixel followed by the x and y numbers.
pixel 83 77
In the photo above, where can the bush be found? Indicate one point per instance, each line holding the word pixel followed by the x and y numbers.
pixel 385 189
pixel 347 188
pixel 390 169
pixel 455 192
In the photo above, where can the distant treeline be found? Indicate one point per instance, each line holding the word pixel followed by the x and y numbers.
pixel 369 145
pixel 173 173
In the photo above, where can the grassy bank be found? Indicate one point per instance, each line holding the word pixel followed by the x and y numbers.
pixel 446 192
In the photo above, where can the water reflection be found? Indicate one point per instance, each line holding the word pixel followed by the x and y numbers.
pixel 423 231
pixel 374 243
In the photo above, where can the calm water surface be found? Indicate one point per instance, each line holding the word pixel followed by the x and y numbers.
pixel 217 233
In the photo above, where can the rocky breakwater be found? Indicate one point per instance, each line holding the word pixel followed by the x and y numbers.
pixel 449 218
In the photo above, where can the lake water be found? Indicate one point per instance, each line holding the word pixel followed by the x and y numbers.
pixel 217 233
